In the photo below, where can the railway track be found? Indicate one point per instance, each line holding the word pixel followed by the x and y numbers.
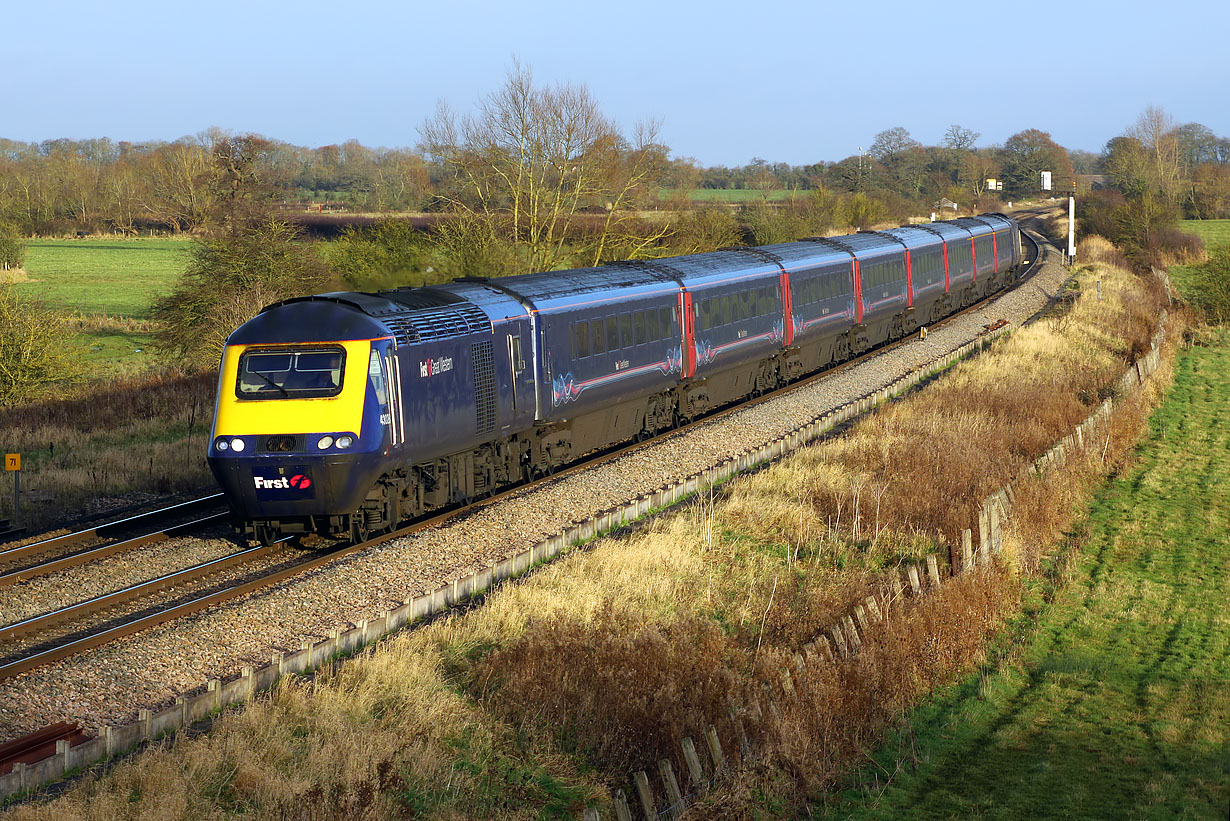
pixel 38 745
pixel 108 633
pixel 118 528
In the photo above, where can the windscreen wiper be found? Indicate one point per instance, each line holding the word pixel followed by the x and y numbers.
pixel 275 384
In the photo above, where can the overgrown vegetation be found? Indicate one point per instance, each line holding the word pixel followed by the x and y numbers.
pixel 541 700
pixel 12 247
pixel 246 259
pixel 35 348
pixel 1160 172
pixel 138 439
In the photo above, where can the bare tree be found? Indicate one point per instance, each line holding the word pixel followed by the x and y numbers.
pixel 891 143
pixel 975 169
pixel 531 158
pixel 178 184
pixel 1155 130
pixel 960 139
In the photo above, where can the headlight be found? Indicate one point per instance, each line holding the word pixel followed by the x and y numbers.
pixel 221 444
pixel 324 442
pixel 237 445
pixel 344 442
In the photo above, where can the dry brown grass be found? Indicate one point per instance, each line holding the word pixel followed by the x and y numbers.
pixel 130 442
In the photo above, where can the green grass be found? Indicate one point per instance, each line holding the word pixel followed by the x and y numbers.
pixel 1113 701
pixel 1213 232
pixel 116 277
pixel 736 195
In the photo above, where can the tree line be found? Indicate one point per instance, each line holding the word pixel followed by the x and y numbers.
pixel 98 185
pixel 537 177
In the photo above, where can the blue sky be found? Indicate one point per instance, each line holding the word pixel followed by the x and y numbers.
pixel 792 82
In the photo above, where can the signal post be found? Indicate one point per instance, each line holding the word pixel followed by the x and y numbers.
pixel 12 464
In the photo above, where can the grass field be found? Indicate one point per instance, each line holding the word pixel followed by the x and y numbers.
pixel 1114 701
pixel 1213 232
pixel 118 279
pixel 734 195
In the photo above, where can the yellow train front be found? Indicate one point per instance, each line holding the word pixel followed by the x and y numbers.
pixel 301 425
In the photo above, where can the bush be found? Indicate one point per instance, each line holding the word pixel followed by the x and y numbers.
pixel 388 254
pixel 227 283
pixel 12 247
pixel 1212 285
pixel 703 229
pixel 35 347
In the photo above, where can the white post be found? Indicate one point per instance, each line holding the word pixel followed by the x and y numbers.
pixel 1071 230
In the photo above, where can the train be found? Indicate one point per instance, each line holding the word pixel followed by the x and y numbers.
pixel 344 414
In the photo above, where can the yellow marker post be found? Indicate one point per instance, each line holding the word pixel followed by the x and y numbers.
pixel 12 464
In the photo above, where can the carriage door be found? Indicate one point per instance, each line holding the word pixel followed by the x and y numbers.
pixel 521 402
pixel 384 374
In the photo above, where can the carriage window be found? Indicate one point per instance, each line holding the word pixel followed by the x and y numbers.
pixel 290 374
pixel 655 332
pixel 597 336
pixel 667 317
pixel 612 333
pixel 581 336
pixel 638 323
pixel 727 310
pixel 625 331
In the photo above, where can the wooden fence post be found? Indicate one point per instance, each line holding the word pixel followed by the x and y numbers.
pixel 672 788
pixel 694 769
pixel 715 749
pixel 645 793
pixel 915 582
pixel 622 813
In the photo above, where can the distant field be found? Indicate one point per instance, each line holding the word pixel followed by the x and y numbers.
pixel 104 276
pixel 116 278
pixel 1213 232
pixel 725 194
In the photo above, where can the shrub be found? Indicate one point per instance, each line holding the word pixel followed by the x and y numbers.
pixel 35 346
pixel 228 281
pixel 385 255
pixel 706 228
pixel 1212 285
pixel 12 247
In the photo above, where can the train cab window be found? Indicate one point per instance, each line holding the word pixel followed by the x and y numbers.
pixel 581 337
pixel 638 325
pixel 309 373
pixel 655 332
pixel 612 333
pixel 597 336
pixel 625 331
pixel 375 375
